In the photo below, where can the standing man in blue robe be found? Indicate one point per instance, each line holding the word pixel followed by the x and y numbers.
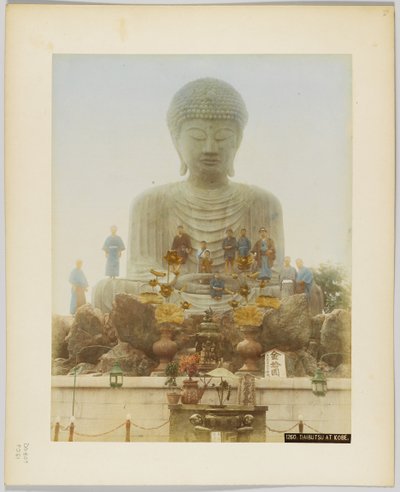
pixel 243 243
pixel 113 247
pixel 304 277
pixel 79 285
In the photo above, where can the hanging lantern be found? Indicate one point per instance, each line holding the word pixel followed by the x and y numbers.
pixel 116 376
pixel 318 383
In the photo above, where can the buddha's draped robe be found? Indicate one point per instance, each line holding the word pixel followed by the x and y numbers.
pixel 205 215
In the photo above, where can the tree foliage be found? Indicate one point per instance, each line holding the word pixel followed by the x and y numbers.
pixel 335 286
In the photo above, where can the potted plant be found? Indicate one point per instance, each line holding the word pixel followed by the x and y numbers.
pixel 189 365
pixel 172 371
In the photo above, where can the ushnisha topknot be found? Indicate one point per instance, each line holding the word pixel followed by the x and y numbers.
pixel 206 98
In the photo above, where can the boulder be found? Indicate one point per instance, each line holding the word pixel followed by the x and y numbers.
pixel 288 328
pixel 83 368
pixel 61 367
pixel 336 339
pixel 86 330
pixel 133 362
pixel 60 327
pixel 300 364
pixel 135 323
pixel 316 300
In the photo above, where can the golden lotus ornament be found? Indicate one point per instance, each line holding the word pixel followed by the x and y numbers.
pixel 172 257
pixel 233 303
pixel 166 290
pixel 249 315
pixel 268 302
pixel 153 282
pixel 157 273
pixel 150 298
pixel 185 305
pixel 244 262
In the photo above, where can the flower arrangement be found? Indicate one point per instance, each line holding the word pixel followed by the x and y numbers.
pixel 249 315
pixel 169 313
pixel 189 364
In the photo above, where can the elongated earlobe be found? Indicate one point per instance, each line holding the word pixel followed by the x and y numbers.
pixel 183 169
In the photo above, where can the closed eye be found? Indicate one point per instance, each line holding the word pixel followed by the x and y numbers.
pixel 197 133
pixel 224 134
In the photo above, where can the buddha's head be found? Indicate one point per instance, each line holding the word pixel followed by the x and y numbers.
pixel 206 120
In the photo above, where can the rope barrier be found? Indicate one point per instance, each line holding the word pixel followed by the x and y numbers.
pixel 312 428
pixel 150 428
pixel 102 434
pixel 282 431
pixel 67 428
pixel 278 431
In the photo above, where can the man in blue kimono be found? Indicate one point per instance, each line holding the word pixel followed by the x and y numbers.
pixel 243 243
pixel 79 285
pixel 113 247
pixel 304 277
pixel 217 286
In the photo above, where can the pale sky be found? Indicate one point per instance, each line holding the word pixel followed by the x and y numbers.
pixel 111 142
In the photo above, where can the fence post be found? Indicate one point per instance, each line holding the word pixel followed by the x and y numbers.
pixel 57 429
pixel 301 424
pixel 71 429
pixel 128 428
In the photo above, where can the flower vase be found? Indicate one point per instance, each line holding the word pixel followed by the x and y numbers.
pixel 191 393
pixel 164 349
pixel 249 349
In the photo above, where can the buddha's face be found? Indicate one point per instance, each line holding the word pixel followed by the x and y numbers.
pixel 208 147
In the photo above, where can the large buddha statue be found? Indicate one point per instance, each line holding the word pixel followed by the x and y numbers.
pixel 206 119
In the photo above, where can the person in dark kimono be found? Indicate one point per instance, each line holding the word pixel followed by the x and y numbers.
pixel 182 245
pixel 264 252
pixel 217 286
pixel 79 286
pixel 229 247
pixel 243 243
pixel 113 247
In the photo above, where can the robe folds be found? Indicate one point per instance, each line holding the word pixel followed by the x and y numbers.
pixel 205 216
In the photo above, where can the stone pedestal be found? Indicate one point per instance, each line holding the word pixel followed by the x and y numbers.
pixel 207 423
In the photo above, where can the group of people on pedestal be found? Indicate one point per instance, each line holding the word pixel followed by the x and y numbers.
pixel 263 252
pixel 113 248
pixel 300 280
